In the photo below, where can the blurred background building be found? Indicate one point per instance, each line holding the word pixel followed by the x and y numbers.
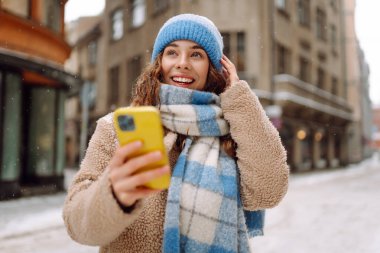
pixel 33 89
pixel 301 58
pixel 376 128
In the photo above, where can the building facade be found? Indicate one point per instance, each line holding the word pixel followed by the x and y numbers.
pixel 357 73
pixel 291 52
pixel 33 88
pixel 376 128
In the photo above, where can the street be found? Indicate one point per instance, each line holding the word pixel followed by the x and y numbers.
pixel 323 211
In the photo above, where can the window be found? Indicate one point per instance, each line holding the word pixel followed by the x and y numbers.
pixel 51 14
pixel 18 7
pixel 227 42
pixel 281 4
pixel 333 36
pixel 113 96
pixel 304 12
pixel 320 78
pixel 321 24
pixel 133 70
pixel 117 24
pixel 282 60
pixel 240 59
pixel 138 13
pixel 92 52
pixel 10 125
pixel 160 6
pixel 304 69
pixel 333 4
pixel 234 48
pixel 42 132
pixel 334 86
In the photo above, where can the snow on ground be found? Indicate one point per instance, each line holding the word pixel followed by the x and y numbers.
pixel 327 211
pixel 330 211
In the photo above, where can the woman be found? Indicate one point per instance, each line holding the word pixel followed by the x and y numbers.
pixel 226 158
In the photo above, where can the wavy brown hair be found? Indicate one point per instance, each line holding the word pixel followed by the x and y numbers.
pixel 147 88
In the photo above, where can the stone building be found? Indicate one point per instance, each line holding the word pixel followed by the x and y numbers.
pixel 291 52
pixel 357 72
pixel 33 89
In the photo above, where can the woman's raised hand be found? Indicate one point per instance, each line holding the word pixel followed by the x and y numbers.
pixel 229 70
pixel 127 185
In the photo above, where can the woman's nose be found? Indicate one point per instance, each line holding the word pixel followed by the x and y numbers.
pixel 183 62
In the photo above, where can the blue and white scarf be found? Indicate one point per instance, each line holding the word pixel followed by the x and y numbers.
pixel 204 212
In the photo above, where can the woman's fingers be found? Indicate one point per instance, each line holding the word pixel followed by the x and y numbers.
pixel 123 152
pixel 133 182
pixel 134 164
pixel 229 69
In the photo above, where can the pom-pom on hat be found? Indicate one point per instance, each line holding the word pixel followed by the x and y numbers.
pixel 192 27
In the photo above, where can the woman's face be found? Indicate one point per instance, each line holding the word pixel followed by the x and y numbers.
pixel 185 64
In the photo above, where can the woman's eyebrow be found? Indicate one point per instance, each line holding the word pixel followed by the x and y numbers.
pixel 197 47
pixel 176 45
pixel 172 45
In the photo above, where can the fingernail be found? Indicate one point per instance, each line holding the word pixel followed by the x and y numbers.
pixel 165 168
pixel 137 144
pixel 157 154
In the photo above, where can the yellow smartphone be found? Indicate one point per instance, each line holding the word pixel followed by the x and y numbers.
pixel 143 123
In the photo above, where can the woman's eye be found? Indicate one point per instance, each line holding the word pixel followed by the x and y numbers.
pixel 196 54
pixel 170 52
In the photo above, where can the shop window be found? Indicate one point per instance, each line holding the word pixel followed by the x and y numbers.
pixel 138 13
pixel 113 95
pixel 17 7
pixel 51 14
pixel 304 12
pixel 60 134
pixel 117 24
pixel 10 91
pixel 134 69
pixel 41 132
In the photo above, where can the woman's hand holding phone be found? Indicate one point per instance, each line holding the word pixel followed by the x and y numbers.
pixel 127 185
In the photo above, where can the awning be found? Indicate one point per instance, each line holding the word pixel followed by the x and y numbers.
pixel 43 67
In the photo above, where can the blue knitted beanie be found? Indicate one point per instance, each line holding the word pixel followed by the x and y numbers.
pixel 192 27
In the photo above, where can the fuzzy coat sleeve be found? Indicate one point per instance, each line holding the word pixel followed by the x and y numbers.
pixel 91 213
pixel 261 156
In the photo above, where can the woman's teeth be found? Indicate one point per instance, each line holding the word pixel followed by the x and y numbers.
pixel 182 80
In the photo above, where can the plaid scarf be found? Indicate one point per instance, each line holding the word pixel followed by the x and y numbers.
pixel 204 212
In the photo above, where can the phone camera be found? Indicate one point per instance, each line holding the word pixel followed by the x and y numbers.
pixel 126 123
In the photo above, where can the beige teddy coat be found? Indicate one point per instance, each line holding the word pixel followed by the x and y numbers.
pixel 93 217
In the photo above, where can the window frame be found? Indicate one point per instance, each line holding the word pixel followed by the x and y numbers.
pixel 303 12
pixel 135 6
pixel 114 19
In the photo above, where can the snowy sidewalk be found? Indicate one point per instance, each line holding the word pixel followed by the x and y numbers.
pixel 330 211
pixel 26 222
pixel 35 224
